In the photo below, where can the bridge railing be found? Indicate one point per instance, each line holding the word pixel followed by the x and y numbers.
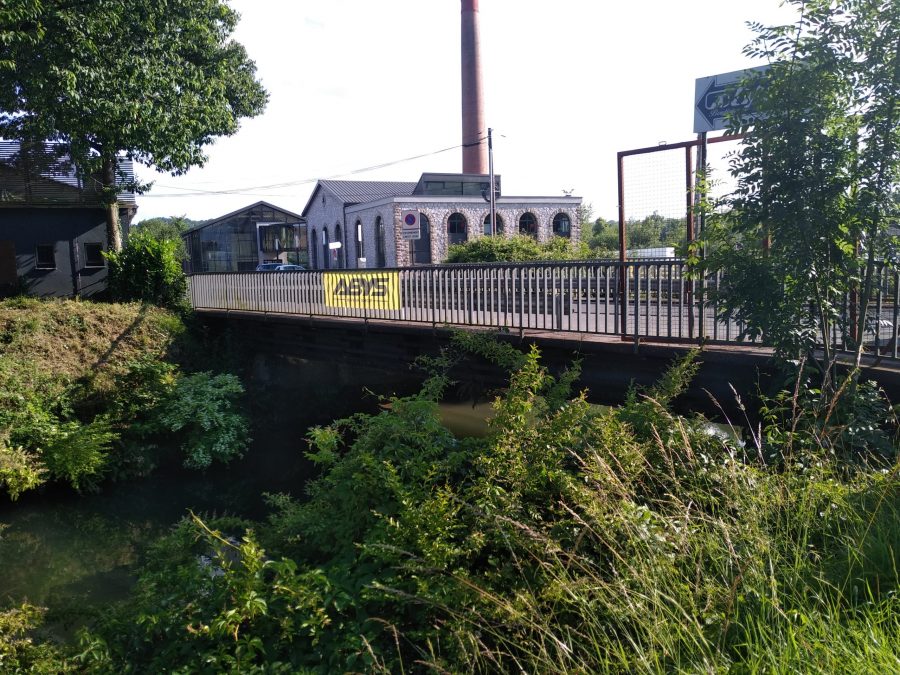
pixel 654 299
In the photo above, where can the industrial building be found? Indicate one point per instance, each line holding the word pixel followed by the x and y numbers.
pixel 356 224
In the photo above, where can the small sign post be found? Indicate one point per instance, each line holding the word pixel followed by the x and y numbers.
pixel 410 229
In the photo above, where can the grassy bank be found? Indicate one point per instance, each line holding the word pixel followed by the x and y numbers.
pixel 568 540
pixel 91 392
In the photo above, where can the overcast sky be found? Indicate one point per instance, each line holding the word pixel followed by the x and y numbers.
pixel 358 83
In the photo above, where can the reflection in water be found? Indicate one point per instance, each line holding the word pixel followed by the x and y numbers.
pixel 65 550
pixel 466 419
pixel 70 551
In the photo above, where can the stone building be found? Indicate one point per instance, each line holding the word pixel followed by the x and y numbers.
pixel 364 218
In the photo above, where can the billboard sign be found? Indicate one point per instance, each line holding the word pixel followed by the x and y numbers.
pixel 718 95
pixel 363 290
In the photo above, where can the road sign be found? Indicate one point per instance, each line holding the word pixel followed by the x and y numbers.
pixel 409 226
pixel 718 95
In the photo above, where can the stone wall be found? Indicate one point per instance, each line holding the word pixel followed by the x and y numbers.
pixel 438 212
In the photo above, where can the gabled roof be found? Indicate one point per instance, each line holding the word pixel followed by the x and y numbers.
pixel 263 204
pixel 358 191
pixel 46 174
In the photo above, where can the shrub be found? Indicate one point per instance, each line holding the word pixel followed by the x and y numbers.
pixel 147 270
pixel 19 652
pixel 571 539
pixel 201 408
pixel 19 471
pixel 520 248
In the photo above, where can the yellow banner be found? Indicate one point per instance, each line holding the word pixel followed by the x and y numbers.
pixel 363 290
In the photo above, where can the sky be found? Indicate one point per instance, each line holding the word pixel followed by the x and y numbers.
pixel 355 84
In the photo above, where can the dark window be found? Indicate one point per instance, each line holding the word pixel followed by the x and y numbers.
pixel 314 250
pixel 381 259
pixel 562 226
pixel 93 255
pixel 8 271
pixel 456 229
pixel 326 251
pixel 340 252
pixel 487 224
pixel 421 248
pixel 45 257
pixel 360 248
pixel 528 224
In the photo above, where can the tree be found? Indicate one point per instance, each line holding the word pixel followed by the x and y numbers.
pixel 157 81
pixel 168 229
pixel 808 225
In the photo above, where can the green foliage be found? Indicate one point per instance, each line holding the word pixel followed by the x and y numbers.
pixel 19 652
pixel 166 229
pixel 854 420
pixel 77 453
pixel 653 231
pixel 19 471
pixel 173 81
pixel 201 409
pixel 817 179
pixel 570 539
pixel 113 420
pixel 519 248
pixel 148 270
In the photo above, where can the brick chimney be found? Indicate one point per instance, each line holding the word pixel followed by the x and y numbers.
pixel 473 127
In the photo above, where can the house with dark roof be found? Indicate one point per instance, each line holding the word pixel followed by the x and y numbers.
pixel 356 224
pixel 53 223
pixel 242 239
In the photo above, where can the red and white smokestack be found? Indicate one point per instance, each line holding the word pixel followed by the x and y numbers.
pixel 473 127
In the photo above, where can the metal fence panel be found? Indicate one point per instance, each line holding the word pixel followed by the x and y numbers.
pixel 655 299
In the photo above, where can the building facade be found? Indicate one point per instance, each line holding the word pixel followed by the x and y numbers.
pixel 53 223
pixel 364 218
pixel 241 240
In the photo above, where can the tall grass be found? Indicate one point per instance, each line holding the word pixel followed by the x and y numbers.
pixel 569 540
pixel 673 550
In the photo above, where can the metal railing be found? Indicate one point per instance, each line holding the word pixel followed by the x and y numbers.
pixel 653 299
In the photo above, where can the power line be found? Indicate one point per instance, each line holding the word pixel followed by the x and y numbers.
pixel 247 191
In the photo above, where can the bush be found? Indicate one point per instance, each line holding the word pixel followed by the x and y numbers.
pixel 147 270
pixel 201 409
pixel 571 539
pixel 520 248
pixel 19 652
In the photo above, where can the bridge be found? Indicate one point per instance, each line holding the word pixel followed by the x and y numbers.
pixel 654 301
pixel 626 322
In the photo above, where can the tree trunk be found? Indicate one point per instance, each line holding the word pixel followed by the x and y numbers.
pixel 110 196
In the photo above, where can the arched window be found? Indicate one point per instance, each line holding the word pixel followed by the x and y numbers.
pixel 420 249
pixel 562 226
pixel 487 224
pixel 456 229
pixel 340 251
pixel 380 258
pixel 360 248
pixel 528 224
pixel 326 252
pixel 314 250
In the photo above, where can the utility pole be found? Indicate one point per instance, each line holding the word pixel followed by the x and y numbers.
pixel 491 187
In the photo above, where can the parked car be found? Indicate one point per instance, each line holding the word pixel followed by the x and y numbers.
pixel 279 267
